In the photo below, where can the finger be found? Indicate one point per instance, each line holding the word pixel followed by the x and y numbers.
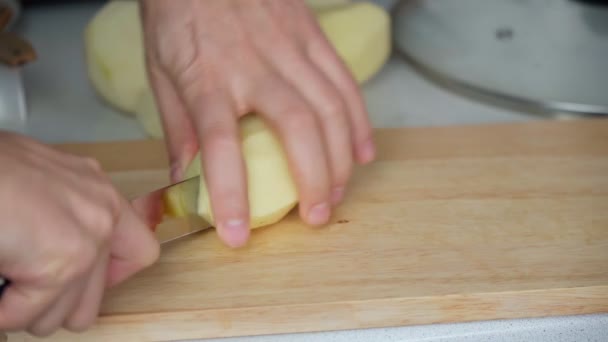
pixel 329 106
pixel 323 54
pixel 150 209
pixel 222 165
pixel 21 305
pixel 180 137
pixel 52 319
pixel 299 130
pixel 133 247
pixel 87 310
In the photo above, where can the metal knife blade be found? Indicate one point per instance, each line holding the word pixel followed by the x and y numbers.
pixel 170 211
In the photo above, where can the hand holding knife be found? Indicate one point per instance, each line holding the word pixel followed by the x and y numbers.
pixel 174 205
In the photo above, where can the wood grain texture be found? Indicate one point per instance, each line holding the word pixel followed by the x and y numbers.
pixel 449 225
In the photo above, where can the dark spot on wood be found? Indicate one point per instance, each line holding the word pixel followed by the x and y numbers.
pixel 343 221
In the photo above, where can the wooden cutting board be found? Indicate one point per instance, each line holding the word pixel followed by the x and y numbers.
pixel 450 225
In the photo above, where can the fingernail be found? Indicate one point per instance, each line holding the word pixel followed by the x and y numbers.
pixel 234 233
pixel 367 153
pixel 337 194
pixel 319 214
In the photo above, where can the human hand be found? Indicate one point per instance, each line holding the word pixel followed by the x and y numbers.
pixel 66 235
pixel 211 62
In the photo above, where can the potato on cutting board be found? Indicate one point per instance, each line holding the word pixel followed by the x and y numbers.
pixel 271 190
pixel 115 61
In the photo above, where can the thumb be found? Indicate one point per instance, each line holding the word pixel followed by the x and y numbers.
pixel 180 136
pixel 133 247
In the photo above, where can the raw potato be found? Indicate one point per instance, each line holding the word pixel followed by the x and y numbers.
pixel 271 190
pixel 360 32
pixel 114 54
pixel 148 115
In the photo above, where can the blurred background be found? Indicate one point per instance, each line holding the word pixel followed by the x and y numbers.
pixel 452 62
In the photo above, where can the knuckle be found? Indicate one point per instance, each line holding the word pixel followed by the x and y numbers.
pixel 299 118
pixel 66 263
pixel 100 215
pixel 105 226
pixel 99 221
pixel 186 69
pixel 176 59
pixel 78 257
pixel 333 107
pixel 218 138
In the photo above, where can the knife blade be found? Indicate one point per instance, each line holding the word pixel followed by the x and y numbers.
pixel 171 213
pixel 172 210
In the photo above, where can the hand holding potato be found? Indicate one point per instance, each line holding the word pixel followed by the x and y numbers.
pixel 212 62
pixel 66 235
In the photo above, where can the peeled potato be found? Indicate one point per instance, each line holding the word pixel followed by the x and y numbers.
pixel 360 32
pixel 114 54
pixel 271 190
pixel 148 115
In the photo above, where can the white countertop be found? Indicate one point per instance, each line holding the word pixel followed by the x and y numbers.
pixel 62 107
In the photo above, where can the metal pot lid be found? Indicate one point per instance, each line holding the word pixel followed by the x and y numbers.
pixel 550 54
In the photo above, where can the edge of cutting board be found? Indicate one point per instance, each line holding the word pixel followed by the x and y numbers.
pixel 562 138
pixel 197 324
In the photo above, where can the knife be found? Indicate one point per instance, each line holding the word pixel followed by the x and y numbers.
pixel 171 213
